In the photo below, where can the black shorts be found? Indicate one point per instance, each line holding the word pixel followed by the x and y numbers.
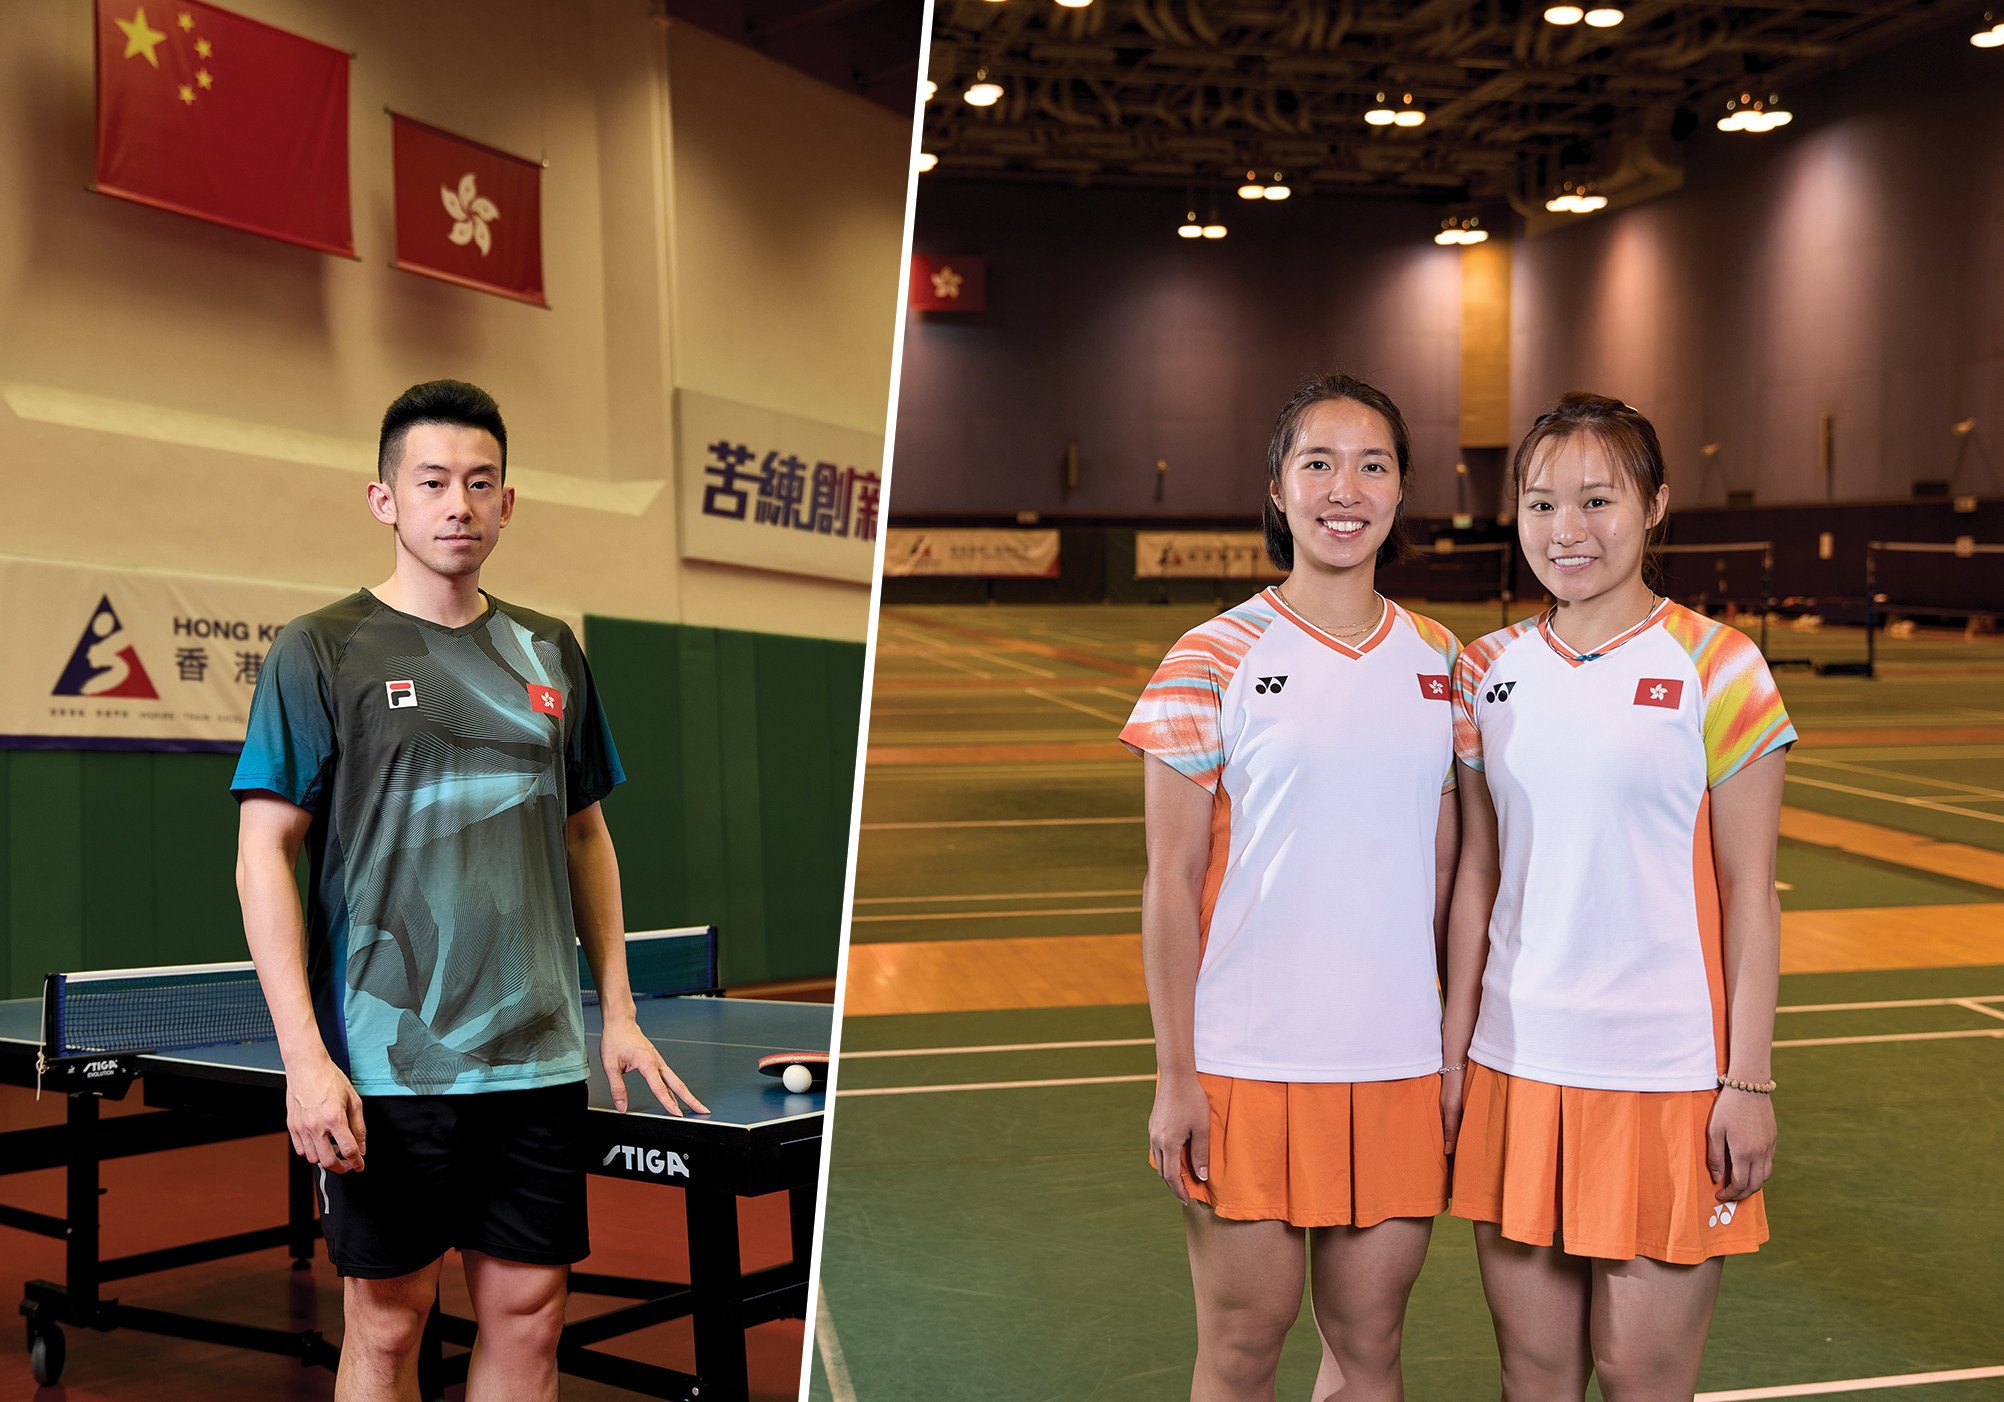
pixel 500 1172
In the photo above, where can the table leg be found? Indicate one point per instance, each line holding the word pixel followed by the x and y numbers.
pixel 800 1205
pixel 81 1255
pixel 716 1275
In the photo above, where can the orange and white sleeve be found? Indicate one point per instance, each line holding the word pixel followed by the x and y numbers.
pixel 1179 716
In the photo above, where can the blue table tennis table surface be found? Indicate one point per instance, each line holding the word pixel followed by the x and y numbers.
pixel 713 1044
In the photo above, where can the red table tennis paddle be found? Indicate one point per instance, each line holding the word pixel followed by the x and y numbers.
pixel 815 1062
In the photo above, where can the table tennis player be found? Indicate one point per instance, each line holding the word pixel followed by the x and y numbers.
pixel 441 756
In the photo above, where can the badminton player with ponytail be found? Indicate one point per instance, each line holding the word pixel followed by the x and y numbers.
pixel 1298 752
pixel 1614 942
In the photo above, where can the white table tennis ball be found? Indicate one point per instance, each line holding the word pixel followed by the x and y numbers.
pixel 797 1078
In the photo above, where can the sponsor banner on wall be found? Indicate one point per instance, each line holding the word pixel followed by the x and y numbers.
pixel 1201 555
pixel 775 492
pixel 1016 553
pixel 124 659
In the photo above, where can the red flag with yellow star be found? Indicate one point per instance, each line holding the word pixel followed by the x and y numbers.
pixel 208 113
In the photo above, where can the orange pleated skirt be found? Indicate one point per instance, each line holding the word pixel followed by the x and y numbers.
pixel 1323 1154
pixel 1613 1173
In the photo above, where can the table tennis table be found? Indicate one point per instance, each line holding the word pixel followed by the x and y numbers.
pixel 759 1138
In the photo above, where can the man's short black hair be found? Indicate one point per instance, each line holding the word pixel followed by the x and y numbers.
pixel 438 402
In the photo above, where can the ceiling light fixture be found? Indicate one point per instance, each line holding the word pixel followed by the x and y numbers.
pixel 1075 4
pixel 1381 114
pixel 1252 189
pixel 931 90
pixel 1564 14
pixel 1214 231
pixel 1576 197
pixel 1465 230
pixel 983 93
pixel 927 160
pixel 1604 16
pixel 1190 228
pixel 1278 189
pixel 1990 37
pixel 1749 113
pixel 1408 115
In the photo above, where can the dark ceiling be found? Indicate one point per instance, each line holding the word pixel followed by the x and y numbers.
pixel 867 47
pixel 1183 93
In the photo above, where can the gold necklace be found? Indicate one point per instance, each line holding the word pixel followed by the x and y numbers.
pixel 1340 629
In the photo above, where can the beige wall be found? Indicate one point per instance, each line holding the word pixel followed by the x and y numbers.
pixel 180 395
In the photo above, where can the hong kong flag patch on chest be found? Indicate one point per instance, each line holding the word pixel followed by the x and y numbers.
pixel 1433 685
pixel 1659 691
pixel 546 699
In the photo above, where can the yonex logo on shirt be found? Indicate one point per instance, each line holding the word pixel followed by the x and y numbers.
pixel 1499 692
pixel 1266 684
pixel 402 694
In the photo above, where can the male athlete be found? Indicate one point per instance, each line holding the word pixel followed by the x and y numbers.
pixel 441 755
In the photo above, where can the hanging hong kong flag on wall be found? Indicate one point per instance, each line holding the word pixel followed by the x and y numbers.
pixel 208 113
pixel 943 284
pixel 468 213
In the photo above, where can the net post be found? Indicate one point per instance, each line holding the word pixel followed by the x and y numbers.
pixel 1766 592
pixel 1871 607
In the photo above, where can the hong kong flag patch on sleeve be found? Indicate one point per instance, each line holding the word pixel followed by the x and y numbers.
pixel 1433 685
pixel 546 699
pixel 1659 691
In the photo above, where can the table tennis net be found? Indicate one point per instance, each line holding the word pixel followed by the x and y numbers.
pixel 147 1010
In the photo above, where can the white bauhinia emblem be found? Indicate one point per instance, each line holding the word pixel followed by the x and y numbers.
pixel 471 213
pixel 1434 687
pixel 946 283
pixel 1658 692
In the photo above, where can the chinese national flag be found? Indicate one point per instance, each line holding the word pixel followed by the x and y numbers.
pixel 957 284
pixel 468 213
pixel 204 112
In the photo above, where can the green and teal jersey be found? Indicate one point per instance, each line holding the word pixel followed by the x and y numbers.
pixel 440 766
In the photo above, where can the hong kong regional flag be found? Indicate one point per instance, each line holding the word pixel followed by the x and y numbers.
pixel 468 213
pixel 204 112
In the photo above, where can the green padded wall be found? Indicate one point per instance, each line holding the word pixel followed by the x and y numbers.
pixel 740 750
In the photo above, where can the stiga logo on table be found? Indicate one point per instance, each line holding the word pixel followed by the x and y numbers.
pixel 663 1162
pixel 105 663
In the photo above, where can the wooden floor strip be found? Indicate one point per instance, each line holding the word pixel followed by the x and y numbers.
pixel 940 976
pixel 1883 844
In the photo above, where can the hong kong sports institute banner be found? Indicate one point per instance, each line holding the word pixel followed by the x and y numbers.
pixel 1029 554
pixel 1201 555
pixel 105 659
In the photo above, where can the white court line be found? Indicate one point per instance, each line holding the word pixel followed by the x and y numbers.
pixel 840 1386
pixel 1968 790
pixel 1125 697
pixel 1891 1003
pixel 1001 914
pixel 1006 1047
pixel 1889 1037
pixel 1976 1007
pixel 1000 823
pixel 995 1085
pixel 1756 1394
pixel 992 656
pixel 1933 805
pixel 1000 896
pixel 1088 710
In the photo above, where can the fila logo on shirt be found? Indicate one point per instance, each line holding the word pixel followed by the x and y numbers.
pixel 1273 684
pixel 1666 692
pixel 1432 685
pixel 402 694
pixel 663 1162
pixel 1499 692
pixel 546 700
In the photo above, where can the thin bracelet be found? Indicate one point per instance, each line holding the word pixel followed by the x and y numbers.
pixel 1458 1066
pixel 1750 1087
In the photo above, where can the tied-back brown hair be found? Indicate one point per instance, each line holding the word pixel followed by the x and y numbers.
pixel 1628 437
pixel 1287 427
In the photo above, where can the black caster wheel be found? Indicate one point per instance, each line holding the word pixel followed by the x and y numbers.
pixel 45 1355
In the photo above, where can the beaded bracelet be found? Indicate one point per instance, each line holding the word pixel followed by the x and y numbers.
pixel 1750 1087
pixel 1458 1066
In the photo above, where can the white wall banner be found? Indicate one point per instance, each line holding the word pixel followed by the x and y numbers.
pixel 1201 555
pixel 774 492
pixel 109 659
pixel 972 551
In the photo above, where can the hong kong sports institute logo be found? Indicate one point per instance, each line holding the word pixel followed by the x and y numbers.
pixel 105 662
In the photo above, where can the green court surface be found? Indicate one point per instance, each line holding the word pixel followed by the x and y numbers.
pixel 994 1231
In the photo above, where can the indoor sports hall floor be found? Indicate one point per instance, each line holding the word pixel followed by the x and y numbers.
pixel 994 1230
